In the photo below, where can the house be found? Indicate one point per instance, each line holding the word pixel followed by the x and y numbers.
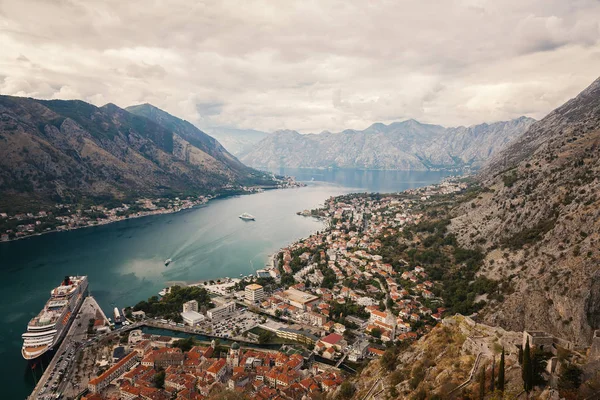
pixel 333 340
pixel 329 353
pixel 218 369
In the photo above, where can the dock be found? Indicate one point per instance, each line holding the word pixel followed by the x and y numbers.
pixel 75 336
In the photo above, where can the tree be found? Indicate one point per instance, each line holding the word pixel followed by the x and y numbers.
pixel 388 360
pixel 539 361
pixel 159 379
pixel 492 388
pixel 376 333
pixel 265 337
pixel 185 344
pixel 570 377
pixel 501 372
pixel 482 384
pixel 347 390
pixel 520 355
pixel 390 303
pixel 527 369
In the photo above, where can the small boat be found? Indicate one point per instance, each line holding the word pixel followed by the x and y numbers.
pixel 168 261
pixel 247 217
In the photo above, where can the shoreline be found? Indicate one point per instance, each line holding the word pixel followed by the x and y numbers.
pixel 150 214
pixel 103 223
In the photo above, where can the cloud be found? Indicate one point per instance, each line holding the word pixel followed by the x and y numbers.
pixel 309 66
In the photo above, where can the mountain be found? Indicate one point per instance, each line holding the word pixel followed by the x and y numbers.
pixel 407 145
pixel 533 216
pixel 237 141
pixel 70 151
pixel 538 220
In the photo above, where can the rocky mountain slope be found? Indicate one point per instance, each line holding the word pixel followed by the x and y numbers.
pixel 408 145
pixel 71 151
pixel 538 220
pixel 439 365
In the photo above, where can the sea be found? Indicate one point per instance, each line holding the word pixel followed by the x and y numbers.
pixel 125 260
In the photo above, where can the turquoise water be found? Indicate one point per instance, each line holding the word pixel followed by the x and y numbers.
pixel 125 260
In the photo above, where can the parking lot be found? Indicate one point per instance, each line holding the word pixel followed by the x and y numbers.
pixel 233 325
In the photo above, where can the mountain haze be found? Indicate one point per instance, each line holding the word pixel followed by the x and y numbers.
pixel 237 141
pixel 407 145
pixel 66 151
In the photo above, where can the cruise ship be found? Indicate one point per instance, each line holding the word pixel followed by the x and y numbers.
pixel 48 328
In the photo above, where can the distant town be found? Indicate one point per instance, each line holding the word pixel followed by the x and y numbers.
pixel 62 217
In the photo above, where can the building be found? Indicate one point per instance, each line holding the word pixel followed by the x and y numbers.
pixel 359 351
pixel 97 384
pixel 254 293
pixel 297 336
pixel 298 298
pixel 233 358
pixel 221 311
pixel 218 369
pixel 138 314
pixel 191 305
pixel 333 340
pixel 316 319
pixel 192 318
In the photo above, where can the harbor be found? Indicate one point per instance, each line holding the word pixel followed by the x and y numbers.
pixel 51 383
pixel 125 260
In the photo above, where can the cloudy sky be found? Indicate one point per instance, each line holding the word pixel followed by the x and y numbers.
pixel 306 65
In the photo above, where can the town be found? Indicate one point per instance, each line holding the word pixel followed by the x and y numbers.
pixel 324 305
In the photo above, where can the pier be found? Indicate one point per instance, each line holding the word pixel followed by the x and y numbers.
pixel 73 340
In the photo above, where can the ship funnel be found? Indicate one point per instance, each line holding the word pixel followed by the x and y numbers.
pixel 67 281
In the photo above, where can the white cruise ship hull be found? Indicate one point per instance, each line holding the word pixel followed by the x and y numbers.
pixel 41 338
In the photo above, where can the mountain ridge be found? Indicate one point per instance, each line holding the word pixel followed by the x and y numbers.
pixel 55 151
pixel 405 145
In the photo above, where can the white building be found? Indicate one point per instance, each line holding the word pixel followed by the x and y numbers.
pixel 254 293
pixel 191 305
pixel 192 317
pixel 221 311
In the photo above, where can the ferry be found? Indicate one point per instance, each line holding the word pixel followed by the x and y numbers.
pixel 48 328
pixel 247 217
pixel 168 261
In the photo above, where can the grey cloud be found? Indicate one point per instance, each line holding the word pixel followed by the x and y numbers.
pixel 309 66
pixel 209 109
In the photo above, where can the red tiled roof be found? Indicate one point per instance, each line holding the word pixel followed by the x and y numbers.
pixel 332 338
